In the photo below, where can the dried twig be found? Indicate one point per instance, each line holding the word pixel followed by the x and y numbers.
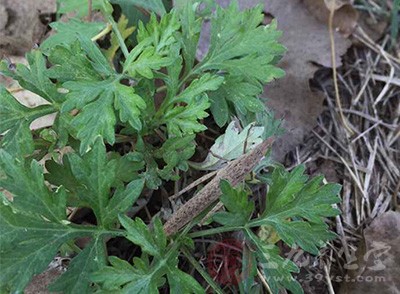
pixel 335 82
pixel 368 165
pixel 234 172
pixel 90 8
pixel 194 184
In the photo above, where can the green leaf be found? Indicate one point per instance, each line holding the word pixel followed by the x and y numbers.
pixel 125 33
pixel 245 51
pixel 251 68
pixel 181 282
pixel 80 60
pixel 96 119
pixel 143 277
pixel 147 62
pixel 27 185
pixel 175 153
pixel 237 94
pixel 33 226
pixel 97 58
pixel 90 178
pixel 296 209
pixel 272 126
pixel 241 46
pixel 96 175
pixel 238 205
pixel 70 63
pixel 219 109
pixel 150 175
pixel 277 270
pixel 15 119
pixel 119 273
pixel 94 89
pixel 155 46
pixel 205 83
pixel 129 105
pixel 183 120
pixel 77 278
pixel 60 174
pixel 151 5
pixel 82 93
pixel 138 233
pixel 18 140
pixel 230 146
pixel 67 32
pixel 30 243
pixel 78 6
pixel 160 34
pixel 123 278
pixel 191 28
pixel 128 167
pixel 122 200
pixel 33 78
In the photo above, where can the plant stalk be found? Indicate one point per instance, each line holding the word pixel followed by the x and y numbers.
pixel 119 36
pixel 201 271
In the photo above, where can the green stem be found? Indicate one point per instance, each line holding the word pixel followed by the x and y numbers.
pixel 191 73
pixel 104 32
pixel 124 139
pixel 97 230
pixel 250 236
pixel 119 36
pixel 42 111
pixel 166 102
pixel 201 271
pixel 75 248
pixel 40 143
pixel 214 231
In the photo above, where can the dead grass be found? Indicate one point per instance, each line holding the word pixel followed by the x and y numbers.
pixel 366 161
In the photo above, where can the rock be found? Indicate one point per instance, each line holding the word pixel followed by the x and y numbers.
pixel 377 269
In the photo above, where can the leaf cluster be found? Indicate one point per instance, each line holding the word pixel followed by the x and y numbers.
pixel 126 119
pixel 295 210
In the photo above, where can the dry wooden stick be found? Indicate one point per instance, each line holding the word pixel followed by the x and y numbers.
pixel 234 172
pixel 194 184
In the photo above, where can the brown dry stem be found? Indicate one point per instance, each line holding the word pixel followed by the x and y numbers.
pixel 234 172
pixel 335 82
